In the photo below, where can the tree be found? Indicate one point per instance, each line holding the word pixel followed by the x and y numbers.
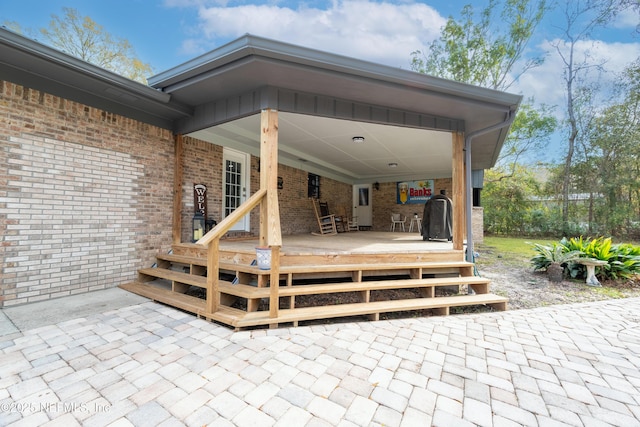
pixel 512 201
pixel 484 53
pixel 614 141
pixel 85 39
pixel 488 52
pixel 580 19
pixel 530 130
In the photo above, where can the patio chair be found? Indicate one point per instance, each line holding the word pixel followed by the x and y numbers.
pixel 351 222
pixel 326 223
pixel 399 219
pixel 339 217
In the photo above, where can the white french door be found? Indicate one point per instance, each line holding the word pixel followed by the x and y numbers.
pixel 235 184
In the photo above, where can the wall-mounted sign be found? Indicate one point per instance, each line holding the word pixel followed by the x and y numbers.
pixel 200 199
pixel 414 191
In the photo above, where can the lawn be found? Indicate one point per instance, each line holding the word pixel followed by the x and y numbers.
pixel 513 251
pixel 506 262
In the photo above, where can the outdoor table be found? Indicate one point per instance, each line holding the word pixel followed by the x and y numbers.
pixel 417 221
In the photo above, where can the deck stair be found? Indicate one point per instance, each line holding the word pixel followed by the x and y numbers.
pixel 365 282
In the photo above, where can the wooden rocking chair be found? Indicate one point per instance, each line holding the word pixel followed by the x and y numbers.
pixel 340 218
pixel 349 222
pixel 326 223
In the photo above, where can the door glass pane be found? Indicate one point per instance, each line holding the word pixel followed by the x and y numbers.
pixel 233 192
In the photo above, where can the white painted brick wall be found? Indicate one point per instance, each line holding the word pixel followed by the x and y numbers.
pixel 72 219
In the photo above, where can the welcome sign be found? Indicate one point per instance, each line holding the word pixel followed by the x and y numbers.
pixel 414 192
pixel 200 198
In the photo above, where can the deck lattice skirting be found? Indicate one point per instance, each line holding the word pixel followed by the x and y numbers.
pixel 365 275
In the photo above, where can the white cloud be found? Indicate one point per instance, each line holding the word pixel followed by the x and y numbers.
pixel 628 19
pixel 381 32
pixel 546 83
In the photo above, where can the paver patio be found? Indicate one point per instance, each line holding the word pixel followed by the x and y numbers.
pixel 151 365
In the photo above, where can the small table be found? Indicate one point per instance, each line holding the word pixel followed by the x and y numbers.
pixel 417 221
pixel 591 264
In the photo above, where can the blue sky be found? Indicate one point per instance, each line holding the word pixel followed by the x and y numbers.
pixel 166 33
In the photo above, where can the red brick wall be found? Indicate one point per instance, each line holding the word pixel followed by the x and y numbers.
pixel 85 196
pixel 203 164
pixel 296 210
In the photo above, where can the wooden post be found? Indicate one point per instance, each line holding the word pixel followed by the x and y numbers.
pixel 213 274
pixel 176 231
pixel 270 233
pixel 274 283
pixel 458 199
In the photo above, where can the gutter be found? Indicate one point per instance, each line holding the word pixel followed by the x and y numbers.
pixel 469 199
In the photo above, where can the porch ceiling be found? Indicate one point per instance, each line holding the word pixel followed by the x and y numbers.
pixel 324 146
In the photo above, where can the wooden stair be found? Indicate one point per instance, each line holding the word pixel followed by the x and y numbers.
pixel 176 274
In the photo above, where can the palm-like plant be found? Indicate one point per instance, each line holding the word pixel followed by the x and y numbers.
pixel 553 258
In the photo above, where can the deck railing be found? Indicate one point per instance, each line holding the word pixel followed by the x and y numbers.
pixel 270 231
pixel 212 241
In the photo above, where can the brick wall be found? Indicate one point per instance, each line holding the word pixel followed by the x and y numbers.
pixel 85 196
pixel 385 203
pixel 203 164
pixel 477 224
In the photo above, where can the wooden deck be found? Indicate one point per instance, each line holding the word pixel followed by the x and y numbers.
pixel 361 264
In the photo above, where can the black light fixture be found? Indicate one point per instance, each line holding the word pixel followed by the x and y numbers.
pixel 358 139
pixel 376 185
pixel 198 226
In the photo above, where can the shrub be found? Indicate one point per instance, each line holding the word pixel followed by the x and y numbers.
pixel 556 253
pixel 626 261
pixel 623 260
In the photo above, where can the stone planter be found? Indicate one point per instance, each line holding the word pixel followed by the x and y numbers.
pixel 555 272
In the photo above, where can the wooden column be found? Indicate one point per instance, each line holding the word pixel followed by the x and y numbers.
pixel 177 190
pixel 270 233
pixel 458 199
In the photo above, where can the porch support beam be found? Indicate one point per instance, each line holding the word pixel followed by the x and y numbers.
pixel 458 183
pixel 270 232
pixel 178 168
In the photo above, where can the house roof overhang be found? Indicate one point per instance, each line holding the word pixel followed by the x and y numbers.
pixel 324 99
pixel 400 111
pixel 34 65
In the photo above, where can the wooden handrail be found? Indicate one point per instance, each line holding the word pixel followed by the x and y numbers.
pixel 270 232
pixel 225 225
pixel 212 241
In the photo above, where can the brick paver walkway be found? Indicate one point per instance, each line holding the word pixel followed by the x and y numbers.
pixel 150 365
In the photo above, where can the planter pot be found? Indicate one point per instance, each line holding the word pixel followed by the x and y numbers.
pixel 263 258
pixel 555 272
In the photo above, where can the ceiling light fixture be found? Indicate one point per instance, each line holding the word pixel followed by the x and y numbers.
pixel 393 165
pixel 358 139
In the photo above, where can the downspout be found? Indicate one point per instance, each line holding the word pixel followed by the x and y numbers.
pixel 467 152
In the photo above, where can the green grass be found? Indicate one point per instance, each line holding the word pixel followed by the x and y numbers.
pixel 609 292
pixel 511 250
